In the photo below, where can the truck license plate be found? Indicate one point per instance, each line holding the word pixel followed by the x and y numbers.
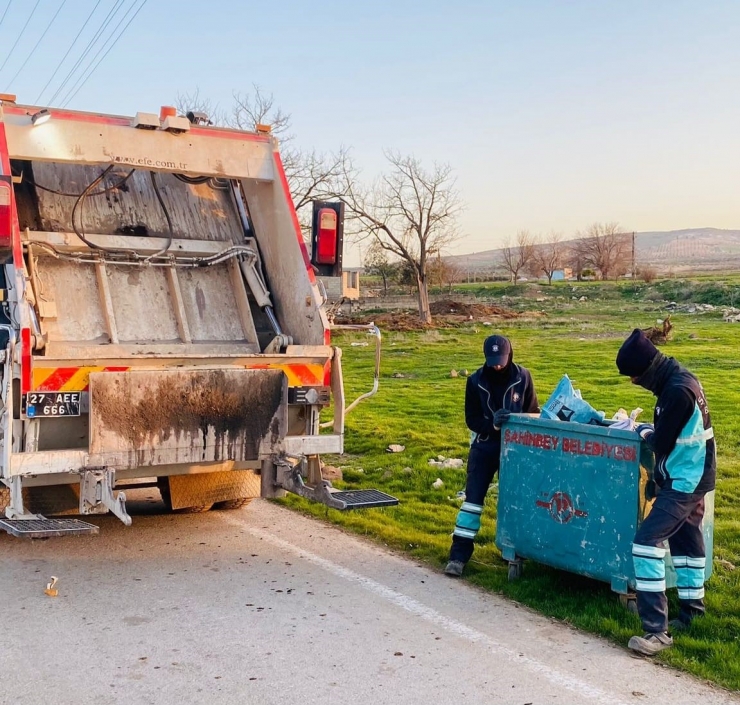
pixel 52 404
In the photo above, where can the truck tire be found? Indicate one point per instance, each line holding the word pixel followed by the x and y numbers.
pixel 233 503
pixel 164 490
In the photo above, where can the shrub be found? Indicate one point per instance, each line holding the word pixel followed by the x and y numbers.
pixel 648 274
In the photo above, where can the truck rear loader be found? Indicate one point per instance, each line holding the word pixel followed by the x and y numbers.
pixel 160 321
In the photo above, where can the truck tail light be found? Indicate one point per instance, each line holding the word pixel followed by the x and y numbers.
pixel 327 235
pixel 6 216
pixel 326 238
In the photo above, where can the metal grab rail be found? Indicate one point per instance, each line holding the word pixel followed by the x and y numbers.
pixel 373 330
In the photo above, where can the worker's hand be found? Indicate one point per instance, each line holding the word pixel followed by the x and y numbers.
pixel 651 490
pixel 645 430
pixel 500 418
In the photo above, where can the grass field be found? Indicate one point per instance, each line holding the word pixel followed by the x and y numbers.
pixel 423 410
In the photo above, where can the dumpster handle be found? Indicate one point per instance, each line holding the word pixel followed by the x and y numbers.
pixel 373 330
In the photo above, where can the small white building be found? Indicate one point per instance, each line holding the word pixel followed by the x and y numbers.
pixel 345 287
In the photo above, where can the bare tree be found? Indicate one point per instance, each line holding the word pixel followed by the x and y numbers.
pixel 548 255
pixel 444 272
pixel 575 257
pixel 377 263
pixel 517 257
pixel 410 211
pixel 452 274
pixel 258 108
pixel 311 175
pixel 194 101
pixel 606 249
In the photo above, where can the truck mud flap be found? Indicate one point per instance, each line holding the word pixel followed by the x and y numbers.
pixel 157 417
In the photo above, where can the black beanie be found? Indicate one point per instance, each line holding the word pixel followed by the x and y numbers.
pixel 635 355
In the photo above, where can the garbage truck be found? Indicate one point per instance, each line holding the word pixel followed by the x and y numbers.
pixel 161 322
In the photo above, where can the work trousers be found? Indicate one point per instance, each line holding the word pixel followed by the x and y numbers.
pixel 483 462
pixel 675 517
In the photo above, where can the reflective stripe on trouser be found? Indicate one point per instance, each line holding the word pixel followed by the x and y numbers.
pixel 690 577
pixel 649 568
pixel 467 524
pixel 483 462
pixel 676 517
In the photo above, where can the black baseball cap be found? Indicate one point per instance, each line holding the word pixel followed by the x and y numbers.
pixel 497 350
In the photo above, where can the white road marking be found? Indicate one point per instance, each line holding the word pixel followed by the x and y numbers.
pixel 409 604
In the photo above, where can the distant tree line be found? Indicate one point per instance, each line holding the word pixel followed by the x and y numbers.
pixel 602 250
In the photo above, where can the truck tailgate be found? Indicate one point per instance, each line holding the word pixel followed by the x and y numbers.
pixel 184 416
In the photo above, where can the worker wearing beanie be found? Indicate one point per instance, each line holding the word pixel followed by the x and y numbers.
pixel 492 394
pixel 685 467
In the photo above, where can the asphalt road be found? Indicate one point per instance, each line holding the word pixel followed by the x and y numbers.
pixel 264 606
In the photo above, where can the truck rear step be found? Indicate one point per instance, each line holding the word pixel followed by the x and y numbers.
pixel 290 477
pixel 364 499
pixel 42 528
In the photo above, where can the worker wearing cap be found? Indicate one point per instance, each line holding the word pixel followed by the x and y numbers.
pixel 492 394
pixel 685 468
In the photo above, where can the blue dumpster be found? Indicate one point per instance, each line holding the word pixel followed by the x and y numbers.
pixel 572 495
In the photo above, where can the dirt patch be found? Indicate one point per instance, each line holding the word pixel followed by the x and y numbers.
pixel 445 314
pixel 458 308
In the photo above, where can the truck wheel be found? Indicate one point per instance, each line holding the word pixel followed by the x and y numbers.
pixel 233 503
pixel 193 510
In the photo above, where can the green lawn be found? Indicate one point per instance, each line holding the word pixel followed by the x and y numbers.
pixel 424 411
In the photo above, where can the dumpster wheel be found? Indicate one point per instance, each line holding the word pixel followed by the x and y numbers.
pixel 515 570
pixel 629 602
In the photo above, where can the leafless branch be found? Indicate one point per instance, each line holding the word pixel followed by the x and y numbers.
pixel 410 211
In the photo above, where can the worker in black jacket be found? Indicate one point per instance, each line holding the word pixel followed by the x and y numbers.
pixel 682 439
pixel 492 394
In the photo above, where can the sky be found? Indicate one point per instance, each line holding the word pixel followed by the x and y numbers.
pixel 553 115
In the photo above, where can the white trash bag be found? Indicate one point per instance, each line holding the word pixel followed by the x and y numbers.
pixel 623 421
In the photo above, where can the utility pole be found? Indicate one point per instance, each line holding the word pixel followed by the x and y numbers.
pixel 634 272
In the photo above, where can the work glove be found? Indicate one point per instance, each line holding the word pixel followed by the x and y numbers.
pixel 500 418
pixel 645 430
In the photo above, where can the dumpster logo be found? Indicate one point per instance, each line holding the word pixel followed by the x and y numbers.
pixel 561 508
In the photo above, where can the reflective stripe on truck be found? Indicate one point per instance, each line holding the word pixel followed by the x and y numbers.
pixel 77 379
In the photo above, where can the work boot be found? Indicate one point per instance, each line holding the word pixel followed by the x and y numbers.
pixel 678 625
pixel 454 569
pixel 650 644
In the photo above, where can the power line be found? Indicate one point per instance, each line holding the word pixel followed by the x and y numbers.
pixel 102 47
pixel 82 79
pixel 115 41
pixel 64 58
pixel 91 43
pixel 10 2
pixel 108 18
pixel 36 46
pixel 18 38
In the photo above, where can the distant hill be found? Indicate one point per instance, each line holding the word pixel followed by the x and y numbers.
pixel 691 250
